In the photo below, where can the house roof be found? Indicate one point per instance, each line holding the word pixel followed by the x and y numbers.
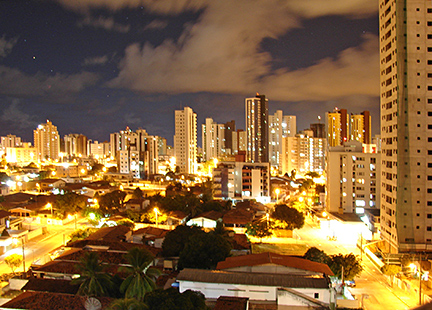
pixel 273 258
pixel 179 215
pixel 240 242
pixel 50 285
pixel 238 216
pixel 4 214
pixel 113 245
pixel 231 303
pixel 151 231
pixel 104 256
pixel 248 278
pixel 44 301
pixel 69 268
pixel 114 233
pixel 212 215
pixel 135 201
pixel 51 181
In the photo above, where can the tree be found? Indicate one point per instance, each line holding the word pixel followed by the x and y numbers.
pixel 127 304
pixel 204 251
pixel 126 222
pixel 176 239
pixel 312 174
pixel 288 218
pixel 13 261
pixel 93 281
pixel 69 203
pixel 259 229
pixel 391 270
pixel 111 202
pixel 141 276
pixel 316 255
pixel 81 234
pixel 172 299
pixel 137 193
pixel 350 263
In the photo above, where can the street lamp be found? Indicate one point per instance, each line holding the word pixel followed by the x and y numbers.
pixel 49 205
pixel 277 191
pixel 156 213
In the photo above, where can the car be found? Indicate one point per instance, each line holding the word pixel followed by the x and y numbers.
pixel 350 283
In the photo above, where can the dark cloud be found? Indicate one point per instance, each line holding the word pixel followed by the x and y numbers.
pixel 104 23
pixel 6 45
pixel 14 114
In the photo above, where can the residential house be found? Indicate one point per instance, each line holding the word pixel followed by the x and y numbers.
pixel 206 219
pixel 149 235
pixel 175 218
pixel 51 185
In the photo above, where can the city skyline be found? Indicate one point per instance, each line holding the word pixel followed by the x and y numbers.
pixel 95 68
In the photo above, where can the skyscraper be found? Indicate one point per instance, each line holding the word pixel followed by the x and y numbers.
pixel 406 107
pixel 361 127
pixel 257 127
pixel 280 126
pixel 337 127
pixel 46 141
pixel 212 139
pixel 185 140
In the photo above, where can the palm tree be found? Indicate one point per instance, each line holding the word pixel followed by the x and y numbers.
pixel 127 304
pixel 141 277
pixel 93 281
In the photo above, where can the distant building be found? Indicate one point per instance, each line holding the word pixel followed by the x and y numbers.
pixel 98 150
pixel 10 141
pixel 353 179
pixel 75 145
pixel 318 130
pixel 22 156
pixel 337 127
pixel 46 142
pixel 185 140
pixel 242 180
pixel 229 129
pixel 303 153
pixel 280 126
pixel 257 128
pixel 213 136
pixel 361 129
pixel 239 141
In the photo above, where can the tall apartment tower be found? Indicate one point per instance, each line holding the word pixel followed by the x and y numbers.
pixel 361 127
pixel 406 107
pixel 280 126
pixel 213 138
pixel 185 140
pixel 75 144
pixel 337 127
pixel 46 141
pixel 257 128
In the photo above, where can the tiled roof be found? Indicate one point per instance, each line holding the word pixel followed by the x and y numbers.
pixel 115 233
pixel 231 303
pixel 47 301
pixel 150 230
pixel 212 215
pixel 50 285
pixel 179 215
pixel 113 245
pixel 68 268
pixel 272 258
pixel 238 216
pixel 240 242
pixel 51 181
pixel 104 256
pixel 4 214
pixel 249 278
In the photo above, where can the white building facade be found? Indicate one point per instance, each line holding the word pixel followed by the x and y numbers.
pixel 185 140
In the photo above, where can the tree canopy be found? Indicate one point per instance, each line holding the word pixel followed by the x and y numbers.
pixel 287 217
pixel 69 203
pixel 172 299
pixel 259 229
pixel 350 263
pixel 13 261
pixel 316 255
pixel 204 251
pixel 176 239
pixel 111 202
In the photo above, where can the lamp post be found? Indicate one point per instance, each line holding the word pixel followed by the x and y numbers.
pixel 277 191
pixel 156 213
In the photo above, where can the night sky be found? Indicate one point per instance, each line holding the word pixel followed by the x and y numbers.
pixel 97 66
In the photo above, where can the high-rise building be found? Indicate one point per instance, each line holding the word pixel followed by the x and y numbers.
pixel 361 127
pixel 75 144
pixel 185 140
pixel 229 129
pixel 280 126
pixel 406 107
pixel 353 181
pixel 46 141
pixel 10 141
pixel 213 136
pixel 337 127
pixel 303 153
pixel 257 128
pixel 318 130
